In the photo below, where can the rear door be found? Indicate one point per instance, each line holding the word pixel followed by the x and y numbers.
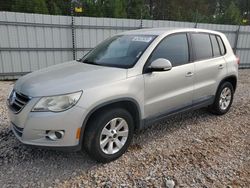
pixel 210 66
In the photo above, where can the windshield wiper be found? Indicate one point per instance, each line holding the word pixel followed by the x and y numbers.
pixel 90 62
pixel 79 60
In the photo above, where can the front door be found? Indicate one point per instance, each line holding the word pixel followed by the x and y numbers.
pixel 172 90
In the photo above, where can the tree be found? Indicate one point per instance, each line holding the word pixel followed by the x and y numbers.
pixel 31 6
pixel 137 9
pixel 231 15
pixel 119 9
pixel 5 6
pixel 39 6
pixel 53 7
pixel 207 11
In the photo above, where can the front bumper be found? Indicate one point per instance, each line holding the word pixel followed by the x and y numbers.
pixel 31 127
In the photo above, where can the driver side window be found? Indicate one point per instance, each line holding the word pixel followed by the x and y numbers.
pixel 173 48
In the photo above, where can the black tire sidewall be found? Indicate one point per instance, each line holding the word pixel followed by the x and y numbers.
pixel 216 106
pixel 97 126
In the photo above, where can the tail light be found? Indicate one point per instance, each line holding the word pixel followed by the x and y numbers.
pixel 238 60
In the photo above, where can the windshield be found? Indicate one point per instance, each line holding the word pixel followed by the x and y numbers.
pixel 121 51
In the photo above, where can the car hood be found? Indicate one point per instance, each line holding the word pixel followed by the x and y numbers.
pixel 66 78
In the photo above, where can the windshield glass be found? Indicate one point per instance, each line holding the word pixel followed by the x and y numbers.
pixel 121 51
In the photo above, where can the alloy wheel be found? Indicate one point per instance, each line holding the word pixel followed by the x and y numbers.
pixel 114 135
pixel 225 98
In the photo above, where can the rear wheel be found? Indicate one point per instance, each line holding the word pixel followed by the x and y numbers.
pixel 109 134
pixel 223 99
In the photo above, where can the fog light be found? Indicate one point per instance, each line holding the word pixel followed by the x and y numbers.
pixel 55 135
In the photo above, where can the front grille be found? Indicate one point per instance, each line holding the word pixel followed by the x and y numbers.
pixel 17 101
pixel 18 130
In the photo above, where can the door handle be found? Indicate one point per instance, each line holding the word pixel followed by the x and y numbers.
pixel 189 74
pixel 221 66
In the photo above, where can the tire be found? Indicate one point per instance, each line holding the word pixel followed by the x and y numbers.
pixel 104 128
pixel 217 107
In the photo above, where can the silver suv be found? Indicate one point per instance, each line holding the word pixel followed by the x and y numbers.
pixel 126 83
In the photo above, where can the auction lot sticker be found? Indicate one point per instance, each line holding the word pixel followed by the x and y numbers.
pixel 142 39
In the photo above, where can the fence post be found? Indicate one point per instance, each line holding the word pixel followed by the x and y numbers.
pixel 141 24
pixel 73 32
pixel 196 25
pixel 196 18
pixel 236 39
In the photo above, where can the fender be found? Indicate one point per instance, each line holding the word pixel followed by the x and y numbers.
pixel 124 99
pixel 227 78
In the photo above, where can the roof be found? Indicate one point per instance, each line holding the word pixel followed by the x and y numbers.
pixel 165 30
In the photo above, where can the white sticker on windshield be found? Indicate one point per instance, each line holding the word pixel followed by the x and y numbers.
pixel 142 39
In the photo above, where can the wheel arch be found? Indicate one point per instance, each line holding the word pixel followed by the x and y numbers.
pixel 232 79
pixel 129 104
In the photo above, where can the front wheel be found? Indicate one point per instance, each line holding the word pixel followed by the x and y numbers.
pixel 108 134
pixel 223 99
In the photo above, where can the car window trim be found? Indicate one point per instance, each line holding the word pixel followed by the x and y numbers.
pixel 144 70
pixel 217 44
pixel 211 45
pixel 191 50
pixel 200 32
pixel 217 36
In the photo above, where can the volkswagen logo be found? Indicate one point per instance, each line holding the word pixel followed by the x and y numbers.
pixel 12 98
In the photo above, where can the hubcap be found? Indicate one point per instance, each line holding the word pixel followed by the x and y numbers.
pixel 114 135
pixel 225 98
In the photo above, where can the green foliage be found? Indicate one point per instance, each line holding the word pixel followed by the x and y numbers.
pixel 229 15
pixel 207 11
pixel 232 14
pixel 54 8
pixel 31 6
pixel 5 6
pixel 39 6
pixel 136 9
pixel 119 10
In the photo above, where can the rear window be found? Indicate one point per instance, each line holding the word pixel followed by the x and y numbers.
pixel 202 46
pixel 222 46
pixel 216 48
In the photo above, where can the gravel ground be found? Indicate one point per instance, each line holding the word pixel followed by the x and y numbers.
pixel 194 149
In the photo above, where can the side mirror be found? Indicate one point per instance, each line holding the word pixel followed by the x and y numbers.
pixel 160 64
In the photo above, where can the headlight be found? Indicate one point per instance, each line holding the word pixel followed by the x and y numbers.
pixel 57 103
pixel 10 93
